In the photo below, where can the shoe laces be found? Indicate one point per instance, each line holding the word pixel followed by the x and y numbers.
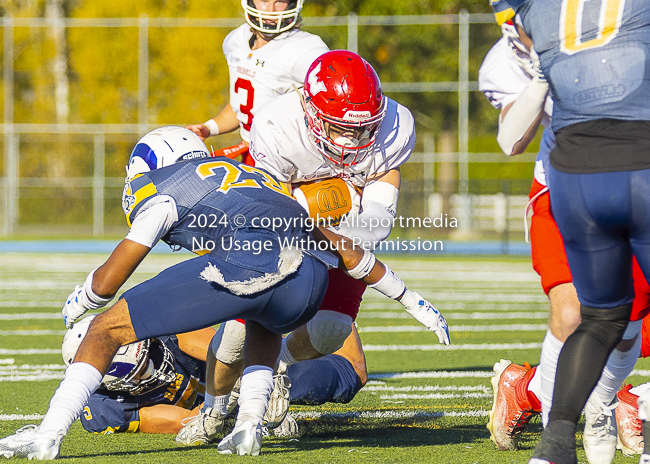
pixel 521 420
pixel 188 420
pixel 603 422
pixel 26 429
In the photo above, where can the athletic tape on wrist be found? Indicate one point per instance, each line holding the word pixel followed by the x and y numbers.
pixel 364 267
pixel 212 126
pixel 390 284
pixel 94 301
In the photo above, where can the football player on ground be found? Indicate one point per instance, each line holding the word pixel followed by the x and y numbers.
pixel 596 62
pixel 174 192
pixel 265 57
pixel 511 80
pixel 340 130
pixel 155 385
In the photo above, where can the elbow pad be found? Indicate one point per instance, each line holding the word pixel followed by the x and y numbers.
pixel 375 222
pixel 521 115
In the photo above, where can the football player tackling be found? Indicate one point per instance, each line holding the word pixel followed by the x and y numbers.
pixel 171 181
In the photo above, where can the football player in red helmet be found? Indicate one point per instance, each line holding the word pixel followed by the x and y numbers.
pixel 344 106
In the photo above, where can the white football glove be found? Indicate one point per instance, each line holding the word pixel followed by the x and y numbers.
pixel 426 314
pixel 82 299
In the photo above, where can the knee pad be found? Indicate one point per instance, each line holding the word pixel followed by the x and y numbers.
pixel 607 324
pixel 228 343
pixel 328 331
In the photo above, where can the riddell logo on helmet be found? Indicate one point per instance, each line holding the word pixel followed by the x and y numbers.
pixel 356 115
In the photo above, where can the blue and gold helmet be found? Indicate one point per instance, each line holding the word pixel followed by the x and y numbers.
pixel 505 10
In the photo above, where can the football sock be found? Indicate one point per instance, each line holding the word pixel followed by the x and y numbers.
pixel 80 381
pixel 558 443
pixel 285 355
pixel 551 348
pixel 254 394
pixel 618 367
pixel 221 403
pixel 535 385
pixel 583 358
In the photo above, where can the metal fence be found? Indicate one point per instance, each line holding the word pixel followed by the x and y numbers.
pixel 423 196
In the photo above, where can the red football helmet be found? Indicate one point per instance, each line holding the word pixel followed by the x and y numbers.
pixel 344 105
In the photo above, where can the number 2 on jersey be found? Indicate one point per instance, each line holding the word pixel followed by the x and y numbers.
pixel 245 84
pixel 571 21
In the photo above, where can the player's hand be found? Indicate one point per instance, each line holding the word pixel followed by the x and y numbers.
pixel 535 70
pixel 200 129
pixel 74 308
pixel 426 314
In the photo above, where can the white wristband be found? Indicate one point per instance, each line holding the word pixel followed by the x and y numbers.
pixel 390 284
pixel 364 267
pixel 212 126
pixel 93 301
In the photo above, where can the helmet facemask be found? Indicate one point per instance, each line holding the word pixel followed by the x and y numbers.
pixel 344 142
pixel 150 377
pixel 272 22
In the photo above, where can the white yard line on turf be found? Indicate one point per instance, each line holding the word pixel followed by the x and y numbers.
pixel 29 304
pixel 477 316
pixel 459 328
pixel 4 351
pixel 31 332
pixel 434 396
pixel 430 375
pixel 423 388
pixel 28 316
pixel 386 414
pixel 13 417
pixel 478 347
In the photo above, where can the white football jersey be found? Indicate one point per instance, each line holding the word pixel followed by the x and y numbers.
pixel 502 80
pixel 280 144
pixel 257 76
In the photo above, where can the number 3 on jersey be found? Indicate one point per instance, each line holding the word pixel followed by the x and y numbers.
pixel 245 84
pixel 571 21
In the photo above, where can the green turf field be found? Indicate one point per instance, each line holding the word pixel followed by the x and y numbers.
pixel 424 402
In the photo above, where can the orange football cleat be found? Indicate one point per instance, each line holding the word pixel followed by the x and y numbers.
pixel 513 405
pixel 630 437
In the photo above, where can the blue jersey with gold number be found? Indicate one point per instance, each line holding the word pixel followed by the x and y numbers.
pixel 234 211
pixel 595 55
pixel 115 412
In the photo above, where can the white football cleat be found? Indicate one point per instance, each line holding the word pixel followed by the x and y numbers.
pixel 600 430
pixel 644 459
pixel 279 401
pixel 245 439
pixel 28 443
pixel 288 428
pixel 201 429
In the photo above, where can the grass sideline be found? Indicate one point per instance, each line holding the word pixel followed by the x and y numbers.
pixel 393 419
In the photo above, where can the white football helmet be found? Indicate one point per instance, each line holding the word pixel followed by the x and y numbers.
pixel 130 360
pixel 163 147
pixel 272 22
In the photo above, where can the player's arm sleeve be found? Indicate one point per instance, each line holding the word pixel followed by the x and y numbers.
pixel 153 221
pixel 265 150
pixel 302 64
pixel 106 415
pixel 375 222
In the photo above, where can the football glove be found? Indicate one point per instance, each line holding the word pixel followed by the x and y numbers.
pixel 426 314
pixel 82 299
pixel 535 68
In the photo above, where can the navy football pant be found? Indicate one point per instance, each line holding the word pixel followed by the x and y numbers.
pixel 330 379
pixel 604 219
pixel 178 300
